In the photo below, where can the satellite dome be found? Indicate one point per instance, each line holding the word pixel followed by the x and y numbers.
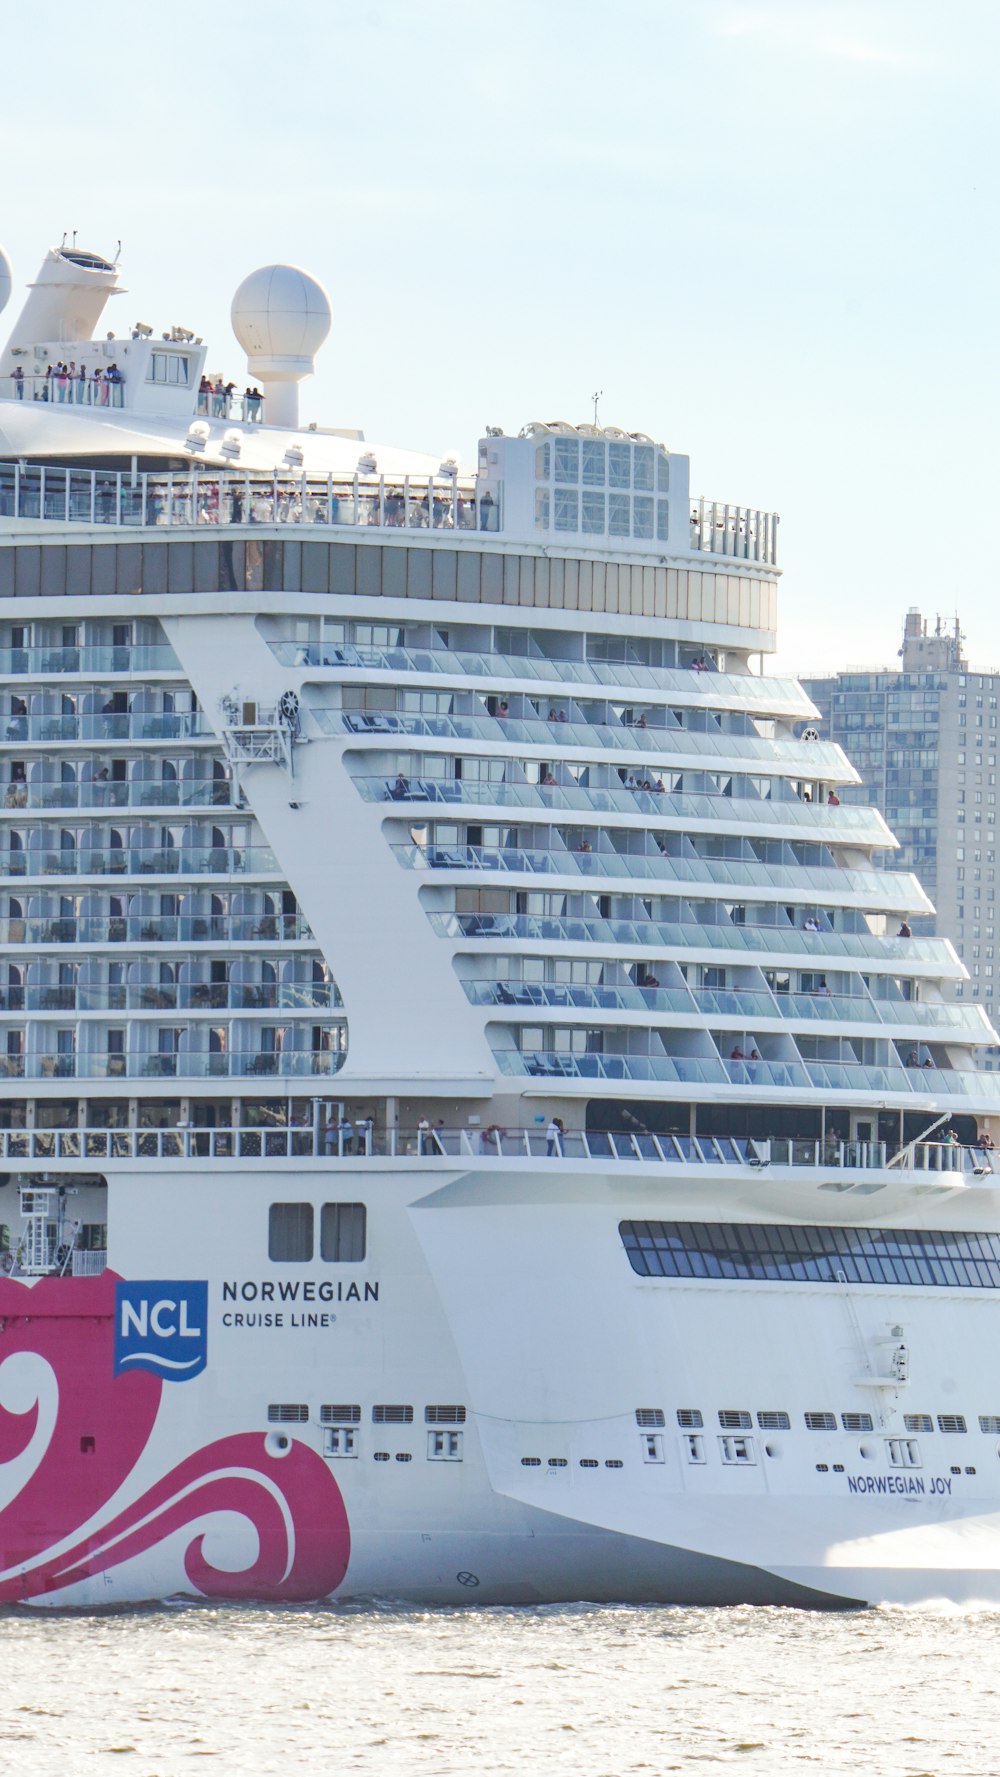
pixel 6 279
pixel 281 316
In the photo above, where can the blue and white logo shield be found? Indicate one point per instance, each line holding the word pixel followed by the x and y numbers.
pixel 162 1327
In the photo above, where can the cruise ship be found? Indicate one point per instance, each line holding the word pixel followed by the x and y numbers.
pixel 475 1122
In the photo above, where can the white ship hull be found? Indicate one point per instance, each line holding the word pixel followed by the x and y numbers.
pixel 472 1294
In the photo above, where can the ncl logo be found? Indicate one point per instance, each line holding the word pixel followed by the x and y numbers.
pixel 162 1327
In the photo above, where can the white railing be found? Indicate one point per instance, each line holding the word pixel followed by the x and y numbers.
pixel 316 1139
pixel 738 531
pixel 62 389
pixel 226 496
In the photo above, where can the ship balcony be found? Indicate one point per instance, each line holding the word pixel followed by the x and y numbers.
pixel 154 658
pixel 657 1003
pixel 881 890
pixel 41 792
pixel 44 730
pixel 694 937
pixel 98 858
pixel 857 826
pixel 857 1080
pixel 700 749
pixel 172 1065
pixel 747 692
pixel 144 995
pixel 102 927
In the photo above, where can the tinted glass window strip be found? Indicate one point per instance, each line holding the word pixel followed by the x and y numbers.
pixel 915 1258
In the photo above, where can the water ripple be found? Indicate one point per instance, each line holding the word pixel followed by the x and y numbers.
pixel 582 1691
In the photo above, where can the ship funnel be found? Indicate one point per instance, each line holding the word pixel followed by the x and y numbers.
pixel 281 316
pixel 64 304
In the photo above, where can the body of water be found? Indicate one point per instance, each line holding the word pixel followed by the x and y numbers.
pixel 594 1691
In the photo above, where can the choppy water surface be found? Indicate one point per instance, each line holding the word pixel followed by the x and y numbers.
pixel 593 1691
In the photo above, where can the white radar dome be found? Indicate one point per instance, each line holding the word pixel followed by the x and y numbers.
pixel 6 279
pixel 281 316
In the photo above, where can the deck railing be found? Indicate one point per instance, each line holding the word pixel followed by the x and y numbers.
pixel 318 1139
pixel 216 496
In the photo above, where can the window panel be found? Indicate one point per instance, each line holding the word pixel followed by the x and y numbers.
pixel 290 1233
pixel 642 475
pixel 620 465
pixel 913 1258
pixel 567 459
pixel 567 508
pixel 594 514
pixel 595 470
pixel 642 516
pixel 343 1231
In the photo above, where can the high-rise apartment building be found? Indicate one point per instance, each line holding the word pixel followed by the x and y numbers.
pixel 924 738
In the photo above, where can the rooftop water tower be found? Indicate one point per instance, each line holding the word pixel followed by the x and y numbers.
pixel 281 316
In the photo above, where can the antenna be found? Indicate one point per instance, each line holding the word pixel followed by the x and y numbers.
pixel 74 237
pixel 118 253
pixel 595 398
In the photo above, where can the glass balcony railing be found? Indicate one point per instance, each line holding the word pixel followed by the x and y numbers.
pixel 532 995
pixel 219 495
pixel 749 1007
pixel 117 725
pixel 65 390
pixel 883 890
pixel 863 826
pixel 140 793
pixel 209 860
pixel 682 1069
pixel 190 1065
pixel 816 760
pixel 760 940
pixel 853 1077
pixel 88 662
pixel 925 1016
pixel 751 692
pixel 214 996
pixel 173 928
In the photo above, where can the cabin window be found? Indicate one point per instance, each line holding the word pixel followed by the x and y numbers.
pixel 290 1233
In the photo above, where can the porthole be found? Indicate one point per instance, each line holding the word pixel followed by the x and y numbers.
pixel 589 1462
pixel 955 1469
pixel 822 1468
pixel 838 1468
pixel 614 1462
pixel 381 1456
pixel 970 1471
pixel 531 1462
pixel 403 1456
pixel 557 1462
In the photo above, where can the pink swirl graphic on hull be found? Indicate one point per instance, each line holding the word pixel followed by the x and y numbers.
pixel 71 1434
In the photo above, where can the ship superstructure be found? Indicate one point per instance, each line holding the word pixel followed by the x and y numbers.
pixel 476 1121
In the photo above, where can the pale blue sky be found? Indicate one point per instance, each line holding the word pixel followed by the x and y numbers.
pixel 766 231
